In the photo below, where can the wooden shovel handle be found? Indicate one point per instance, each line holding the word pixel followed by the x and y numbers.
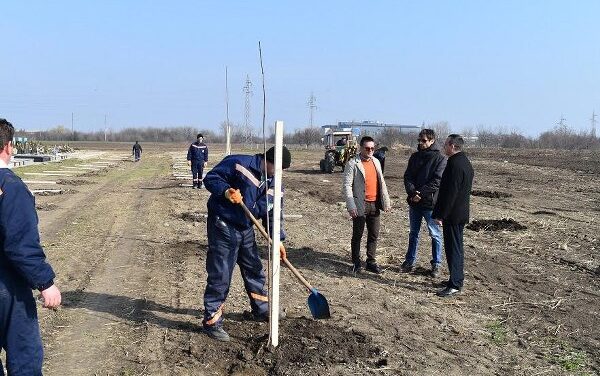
pixel 266 236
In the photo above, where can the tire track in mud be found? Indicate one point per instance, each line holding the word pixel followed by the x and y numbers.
pixel 105 271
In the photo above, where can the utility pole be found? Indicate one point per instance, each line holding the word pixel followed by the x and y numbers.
pixel 227 126
pixel 593 120
pixel 247 123
pixel 105 129
pixel 72 126
pixel 312 105
pixel 561 124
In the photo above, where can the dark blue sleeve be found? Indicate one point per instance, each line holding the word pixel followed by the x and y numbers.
pixel 206 154
pixel 18 222
pixel 220 178
pixel 189 154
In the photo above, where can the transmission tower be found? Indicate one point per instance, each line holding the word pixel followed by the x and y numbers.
pixel 561 124
pixel 312 105
pixel 247 133
pixel 593 120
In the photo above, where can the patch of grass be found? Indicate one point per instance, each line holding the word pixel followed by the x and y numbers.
pixel 497 332
pixel 569 358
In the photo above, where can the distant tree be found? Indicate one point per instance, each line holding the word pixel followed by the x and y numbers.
pixel 307 136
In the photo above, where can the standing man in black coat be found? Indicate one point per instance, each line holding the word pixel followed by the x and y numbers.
pixel 452 209
pixel 422 182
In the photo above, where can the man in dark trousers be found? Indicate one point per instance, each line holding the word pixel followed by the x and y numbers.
pixel 422 182
pixel 380 155
pixel 452 210
pixel 197 158
pixel 137 151
pixel 236 179
pixel 23 267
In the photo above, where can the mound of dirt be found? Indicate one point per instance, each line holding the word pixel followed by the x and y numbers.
pixel 490 194
pixel 306 347
pixel 46 207
pixel 73 182
pixel 543 212
pixel 55 193
pixel 496 225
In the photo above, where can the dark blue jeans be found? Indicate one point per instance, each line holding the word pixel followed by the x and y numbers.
pixel 416 216
pixel 19 329
pixel 453 244
pixel 197 170
pixel 226 247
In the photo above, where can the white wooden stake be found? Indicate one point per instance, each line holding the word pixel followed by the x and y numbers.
pixel 275 267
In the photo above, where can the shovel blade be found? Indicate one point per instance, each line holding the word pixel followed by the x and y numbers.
pixel 319 308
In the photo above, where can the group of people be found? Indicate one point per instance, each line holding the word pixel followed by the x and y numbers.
pixel 438 187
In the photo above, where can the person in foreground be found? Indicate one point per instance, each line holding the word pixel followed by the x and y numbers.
pixel 23 267
pixel 237 179
pixel 366 194
pixel 452 210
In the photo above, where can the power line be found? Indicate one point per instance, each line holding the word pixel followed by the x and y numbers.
pixel 593 120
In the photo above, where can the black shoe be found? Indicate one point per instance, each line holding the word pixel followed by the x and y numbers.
pixel 435 271
pixel 356 269
pixel 194 187
pixel 448 291
pixel 407 268
pixel 374 268
pixel 217 332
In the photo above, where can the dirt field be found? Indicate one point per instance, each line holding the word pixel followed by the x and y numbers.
pixel 129 244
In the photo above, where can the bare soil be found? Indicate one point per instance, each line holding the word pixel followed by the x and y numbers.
pixel 129 251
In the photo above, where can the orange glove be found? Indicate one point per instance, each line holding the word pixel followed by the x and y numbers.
pixel 233 195
pixel 282 252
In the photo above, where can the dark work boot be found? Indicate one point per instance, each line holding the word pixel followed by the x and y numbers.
pixel 374 268
pixel 217 332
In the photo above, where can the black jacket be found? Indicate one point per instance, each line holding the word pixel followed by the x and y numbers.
pixel 455 190
pixel 423 174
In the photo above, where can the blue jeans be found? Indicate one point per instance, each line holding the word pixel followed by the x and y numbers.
pixel 415 216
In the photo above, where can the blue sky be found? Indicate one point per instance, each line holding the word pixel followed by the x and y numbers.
pixel 515 64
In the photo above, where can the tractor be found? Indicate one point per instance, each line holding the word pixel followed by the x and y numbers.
pixel 340 146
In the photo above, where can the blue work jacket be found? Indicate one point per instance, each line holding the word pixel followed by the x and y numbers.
pixel 21 255
pixel 240 172
pixel 198 152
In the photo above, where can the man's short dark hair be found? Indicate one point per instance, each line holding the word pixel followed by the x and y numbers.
pixel 366 139
pixel 7 132
pixel 199 135
pixel 428 133
pixel 456 140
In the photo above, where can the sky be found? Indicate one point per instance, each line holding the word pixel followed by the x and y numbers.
pixel 514 65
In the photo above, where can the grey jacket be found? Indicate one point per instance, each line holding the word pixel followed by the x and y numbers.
pixel 354 186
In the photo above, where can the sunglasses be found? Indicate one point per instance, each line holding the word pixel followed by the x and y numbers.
pixel 423 140
pixel 368 148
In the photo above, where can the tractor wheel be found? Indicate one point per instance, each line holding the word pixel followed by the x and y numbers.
pixel 322 165
pixel 329 163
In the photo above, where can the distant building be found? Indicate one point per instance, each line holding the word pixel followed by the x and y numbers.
pixel 359 127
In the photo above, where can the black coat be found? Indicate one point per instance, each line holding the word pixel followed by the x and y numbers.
pixel 455 190
pixel 423 174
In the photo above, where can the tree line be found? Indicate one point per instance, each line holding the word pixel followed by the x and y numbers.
pixel 560 137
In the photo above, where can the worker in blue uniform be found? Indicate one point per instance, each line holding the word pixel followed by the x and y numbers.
pixel 137 151
pixel 23 267
pixel 197 158
pixel 237 178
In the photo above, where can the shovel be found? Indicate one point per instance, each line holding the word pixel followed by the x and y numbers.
pixel 319 308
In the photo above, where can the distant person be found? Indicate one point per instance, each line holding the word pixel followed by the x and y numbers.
pixel 380 155
pixel 422 183
pixel 137 151
pixel 231 241
pixel 341 142
pixel 366 194
pixel 452 209
pixel 23 267
pixel 197 158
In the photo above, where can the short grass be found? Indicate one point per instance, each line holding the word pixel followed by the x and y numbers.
pixel 497 332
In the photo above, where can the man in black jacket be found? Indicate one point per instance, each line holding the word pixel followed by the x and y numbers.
pixel 452 209
pixel 422 182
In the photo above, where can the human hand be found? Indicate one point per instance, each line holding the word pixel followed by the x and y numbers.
pixel 205 164
pixel 282 252
pixel 189 163
pixel 353 213
pixel 51 297
pixel 438 221
pixel 233 195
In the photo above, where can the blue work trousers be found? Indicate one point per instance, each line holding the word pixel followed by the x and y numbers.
pixel 19 329
pixel 226 247
pixel 197 170
pixel 416 216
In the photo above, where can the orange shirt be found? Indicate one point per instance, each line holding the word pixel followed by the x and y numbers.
pixel 370 180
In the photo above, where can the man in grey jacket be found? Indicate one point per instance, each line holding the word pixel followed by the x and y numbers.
pixel 366 194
